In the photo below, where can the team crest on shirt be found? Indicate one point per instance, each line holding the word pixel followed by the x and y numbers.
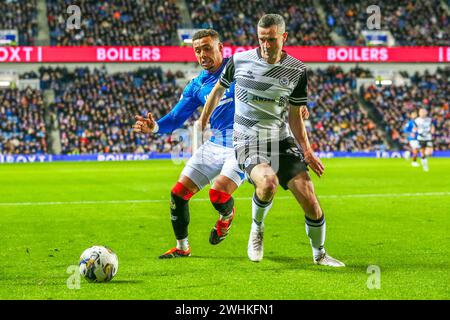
pixel 284 81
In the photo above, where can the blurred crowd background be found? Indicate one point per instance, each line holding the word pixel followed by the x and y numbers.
pixel 93 109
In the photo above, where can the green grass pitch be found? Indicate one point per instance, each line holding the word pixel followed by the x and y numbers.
pixel 404 232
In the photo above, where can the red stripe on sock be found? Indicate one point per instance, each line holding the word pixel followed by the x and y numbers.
pixel 180 190
pixel 217 196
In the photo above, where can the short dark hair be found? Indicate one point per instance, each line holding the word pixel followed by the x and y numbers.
pixel 206 33
pixel 272 19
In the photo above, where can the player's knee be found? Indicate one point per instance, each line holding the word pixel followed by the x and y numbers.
pixel 224 185
pixel 267 188
pixel 181 191
pixel 222 201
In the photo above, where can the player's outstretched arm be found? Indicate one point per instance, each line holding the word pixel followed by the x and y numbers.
pixel 298 128
pixel 212 102
pixel 144 125
pixel 173 120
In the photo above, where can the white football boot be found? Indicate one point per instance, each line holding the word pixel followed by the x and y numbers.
pixel 415 164
pixel 325 260
pixel 255 249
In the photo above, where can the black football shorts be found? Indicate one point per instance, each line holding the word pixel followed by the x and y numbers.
pixel 284 156
pixel 426 143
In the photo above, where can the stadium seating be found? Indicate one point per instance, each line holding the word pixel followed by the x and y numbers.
pixel 96 110
pixel 92 123
pixel 20 15
pixel 236 20
pixel 338 122
pixel 138 22
pixel 118 22
pixel 394 104
pixel 22 126
pixel 412 23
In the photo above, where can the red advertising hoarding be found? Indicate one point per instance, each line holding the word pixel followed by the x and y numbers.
pixel 185 54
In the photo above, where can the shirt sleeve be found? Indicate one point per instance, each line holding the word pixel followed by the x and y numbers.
pixel 185 107
pixel 408 127
pixel 299 96
pixel 227 76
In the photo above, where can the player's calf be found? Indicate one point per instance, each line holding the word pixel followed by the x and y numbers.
pixel 179 213
pixel 224 204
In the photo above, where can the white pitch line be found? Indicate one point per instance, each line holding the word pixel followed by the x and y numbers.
pixel 329 196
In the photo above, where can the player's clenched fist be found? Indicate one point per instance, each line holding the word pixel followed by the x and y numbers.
pixel 314 162
pixel 304 112
pixel 144 125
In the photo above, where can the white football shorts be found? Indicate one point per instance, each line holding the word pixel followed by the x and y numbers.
pixel 211 160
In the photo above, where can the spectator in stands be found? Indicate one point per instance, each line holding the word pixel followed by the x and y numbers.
pixel 235 20
pixel 116 22
pixel 338 122
pixel 22 126
pixel 20 15
pixel 429 91
pixel 412 23
pixel 94 110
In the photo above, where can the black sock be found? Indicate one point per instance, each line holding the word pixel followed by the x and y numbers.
pixel 179 215
pixel 225 208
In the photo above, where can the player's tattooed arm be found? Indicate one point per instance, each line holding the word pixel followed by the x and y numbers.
pixel 297 125
pixel 212 102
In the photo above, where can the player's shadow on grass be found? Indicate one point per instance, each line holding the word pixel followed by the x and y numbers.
pixel 306 263
pixel 218 257
pixel 124 281
pixel 291 262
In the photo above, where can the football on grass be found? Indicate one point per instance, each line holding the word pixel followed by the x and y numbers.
pixel 98 264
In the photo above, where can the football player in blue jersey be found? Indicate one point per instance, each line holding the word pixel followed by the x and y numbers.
pixel 411 135
pixel 214 159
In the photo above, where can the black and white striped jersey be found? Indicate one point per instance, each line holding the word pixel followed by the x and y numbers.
pixel 263 93
pixel 424 129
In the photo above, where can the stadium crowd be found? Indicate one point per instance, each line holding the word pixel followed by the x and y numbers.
pixel 139 22
pixel 96 110
pixel 236 20
pixel 338 122
pixel 395 103
pixel 20 15
pixel 117 22
pixel 412 23
pixel 22 125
